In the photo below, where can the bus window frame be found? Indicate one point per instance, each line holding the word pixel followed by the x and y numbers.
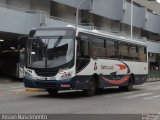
pixel 116 43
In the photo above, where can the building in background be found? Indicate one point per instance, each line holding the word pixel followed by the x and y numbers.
pixel 17 17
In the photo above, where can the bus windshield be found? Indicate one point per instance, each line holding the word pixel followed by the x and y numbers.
pixel 49 51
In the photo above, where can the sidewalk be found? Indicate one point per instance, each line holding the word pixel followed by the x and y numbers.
pixel 8 80
pixel 154 76
pixel 153 79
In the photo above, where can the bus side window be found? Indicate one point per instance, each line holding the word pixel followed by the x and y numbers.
pixel 123 50
pixel 78 49
pixel 111 49
pixel 83 47
pixel 142 54
pixel 82 52
pixel 97 48
pixel 133 52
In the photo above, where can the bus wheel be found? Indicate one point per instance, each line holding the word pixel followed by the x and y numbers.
pixel 91 88
pixel 100 90
pixel 52 91
pixel 129 86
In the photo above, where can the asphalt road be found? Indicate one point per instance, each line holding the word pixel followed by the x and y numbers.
pixel 143 99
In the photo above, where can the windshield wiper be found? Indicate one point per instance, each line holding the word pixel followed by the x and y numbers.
pixel 55 45
pixel 58 41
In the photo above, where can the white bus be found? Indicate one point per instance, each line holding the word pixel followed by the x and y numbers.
pixel 68 58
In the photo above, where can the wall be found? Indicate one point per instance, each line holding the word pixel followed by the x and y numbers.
pixel 152 22
pixel 25 4
pixel 74 3
pixel 138 15
pixel 112 9
pixel 63 11
pixel 17 21
pixel 3 1
pixel 55 23
pixel 153 47
pixel 43 5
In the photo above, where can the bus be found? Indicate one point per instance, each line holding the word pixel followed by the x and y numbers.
pixel 71 58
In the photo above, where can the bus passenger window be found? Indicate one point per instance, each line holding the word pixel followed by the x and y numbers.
pixel 133 52
pixel 84 49
pixel 123 50
pixel 98 49
pixel 83 46
pixel 82 52
pixel 142 54
pixel 111 49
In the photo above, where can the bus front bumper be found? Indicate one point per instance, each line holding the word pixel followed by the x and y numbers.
pixel 66 84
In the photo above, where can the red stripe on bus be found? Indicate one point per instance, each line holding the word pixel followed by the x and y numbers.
pixel 121 66
pixel 122 80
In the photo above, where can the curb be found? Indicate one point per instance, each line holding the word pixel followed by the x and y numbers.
pixel 153 80
pixel 5 81
pixel 34 90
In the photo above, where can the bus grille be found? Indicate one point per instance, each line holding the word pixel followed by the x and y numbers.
pixel 46 84
pixel 46 73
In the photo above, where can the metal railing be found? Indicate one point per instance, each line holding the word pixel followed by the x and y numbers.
pixel 155 74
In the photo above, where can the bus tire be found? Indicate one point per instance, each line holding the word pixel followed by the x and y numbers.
pixel 100 90
pixel 129 86
pixel 52 91
pixel 91 88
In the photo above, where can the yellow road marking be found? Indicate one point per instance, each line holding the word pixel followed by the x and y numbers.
pixel 34 90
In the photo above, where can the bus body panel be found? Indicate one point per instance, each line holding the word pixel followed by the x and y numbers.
pixel 107 67
pixel 109 70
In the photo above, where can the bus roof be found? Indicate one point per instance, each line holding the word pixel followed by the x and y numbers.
pixel 50 28
pixel 99 33
pixel 110 35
